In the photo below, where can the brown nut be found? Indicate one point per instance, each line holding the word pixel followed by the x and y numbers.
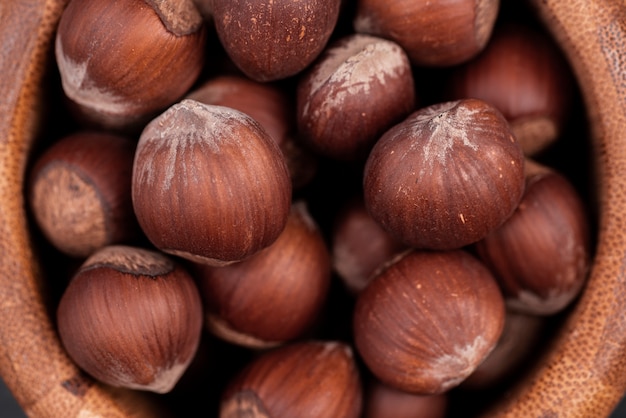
pixel 446 176
pixel 274 39
pixel 524 75
pixel 360 86
pixel 433 33
pixel 313 379
pixel 123 62
pixel 131 318
pixel 427 320
pixel 79 192
pixel 519 345
pixel 542 254
pixel 209 184
pixel 360 245
pixel 383 401
pixel 275 295
pixel 272 107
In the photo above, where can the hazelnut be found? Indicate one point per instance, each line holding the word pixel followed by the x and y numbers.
pixel 542 254
pixel 79 192
pixel 131 318
pixel 123 62
pixel 266 103
pixel 205 9
pixel 272 107
pixel 433 33
pixel 209 184
pixel 445 176
pixel 359 87
pixel 360 245
pixel 305 379
pixel 518 346
pixel 383 401
pixel 274 39
pixel 428 319
pixel 524 75
pixel 275 295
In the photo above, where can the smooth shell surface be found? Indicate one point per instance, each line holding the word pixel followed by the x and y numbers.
pixel 433 33
pixel 117 78
pixel 428 319
pixel 311 379
pixel 583 375
pixel 275 295
pixel 521 72
pixel 445 176
pixel 274 39
pixel 131 318
pixel 540 255
pixel 360 86
pixel 209 184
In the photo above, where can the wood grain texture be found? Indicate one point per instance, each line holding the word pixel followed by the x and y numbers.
pixel 32 362
pixel 584 374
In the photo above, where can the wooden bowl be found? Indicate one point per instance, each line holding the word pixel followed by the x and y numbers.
pixel 583 373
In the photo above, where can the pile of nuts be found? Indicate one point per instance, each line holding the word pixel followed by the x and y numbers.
pixel 260 194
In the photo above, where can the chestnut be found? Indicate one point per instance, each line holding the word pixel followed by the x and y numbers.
pixel 131 318
pixel 542 254
pixel 275 295
pixel 523 74
pixel 308 379
pixel 360 245
pixel 433 33
pixel 272 107
pixel 274 39
pixel 79 192
pixel 428 319
pixel 445 176
pixel 359 87
pixel 209 184
pixel 122 62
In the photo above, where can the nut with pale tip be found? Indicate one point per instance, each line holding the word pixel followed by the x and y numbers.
pixel 131 318
pixel 123 62
pixel 307 379
pixel 274 296
pixel 271 40
pixel 271 106
pixel 79 192
pixel 428 319
pixel 359 87
pixel 209 184
pixel 524 75
pixel 445 176
pixel 541 255
pixel 434 33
